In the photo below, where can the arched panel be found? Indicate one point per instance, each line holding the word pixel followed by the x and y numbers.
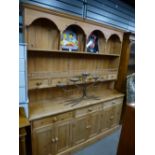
pixel 113 44
pixel 43 34
pixel 96 42
pixel 79 36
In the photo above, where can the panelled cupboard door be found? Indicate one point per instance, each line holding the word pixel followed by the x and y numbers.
pixel 93 124
pixel 109 117
pixel 117 114
pixel 62 136
pixel 104 119
pixel 43 141
pixel 79 131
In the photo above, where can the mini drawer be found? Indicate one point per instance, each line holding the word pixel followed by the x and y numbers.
pixel 84 111
pixel 41 83
pixel 103 77
pixel 52 119
pixel 112 102
pixel 65 116
pixel 54 82
pixel 112 76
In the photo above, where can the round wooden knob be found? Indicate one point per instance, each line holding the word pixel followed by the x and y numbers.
pixel 56 139
pixel 53 140
pixel 88 126
pixel 54 119
pixel 90 109
pixel 38 83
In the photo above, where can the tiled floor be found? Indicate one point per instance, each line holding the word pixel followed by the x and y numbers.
pixel 107 146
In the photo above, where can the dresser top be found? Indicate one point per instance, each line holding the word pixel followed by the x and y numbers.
pixel 45 108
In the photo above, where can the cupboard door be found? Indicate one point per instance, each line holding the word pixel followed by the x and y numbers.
pixel 118 110
pixel 109 117
pixel 79 130
pixel 43 142
pixel 104 120
pixel 93 124
pixel 62 136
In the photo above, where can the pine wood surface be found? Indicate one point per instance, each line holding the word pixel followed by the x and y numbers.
pixel 74 53
pixel 43 108
pixel 74 18
pixel 65 132
pixel 58 128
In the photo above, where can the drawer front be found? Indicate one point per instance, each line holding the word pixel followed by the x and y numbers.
pixel 54 82
pixel 52 119
pixel 103 77
pixel 41 83
pixel 87 110
pixel 112 102
pixel 112 76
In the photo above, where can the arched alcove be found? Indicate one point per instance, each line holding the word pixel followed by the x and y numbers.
pixel 113 45
pixel 79 34
pixel 99 41
pixel 43 34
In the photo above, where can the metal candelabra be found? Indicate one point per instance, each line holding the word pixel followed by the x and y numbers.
pixel 84 87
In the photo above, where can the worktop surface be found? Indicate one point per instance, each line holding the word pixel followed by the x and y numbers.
pixel 44 108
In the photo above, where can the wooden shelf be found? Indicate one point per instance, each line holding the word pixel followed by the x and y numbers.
pixel 74 52
pixel 49 107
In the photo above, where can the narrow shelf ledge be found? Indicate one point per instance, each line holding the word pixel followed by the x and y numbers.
pixel 73 52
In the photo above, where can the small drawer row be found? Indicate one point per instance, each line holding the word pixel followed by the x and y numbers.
pixel 98 107
pixel 51 82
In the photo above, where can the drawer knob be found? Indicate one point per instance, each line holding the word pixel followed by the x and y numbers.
pixel 56 139
pixel 54 119
pixel 53 140
pixel 90 109
pixel 88 126
pixel 38 83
